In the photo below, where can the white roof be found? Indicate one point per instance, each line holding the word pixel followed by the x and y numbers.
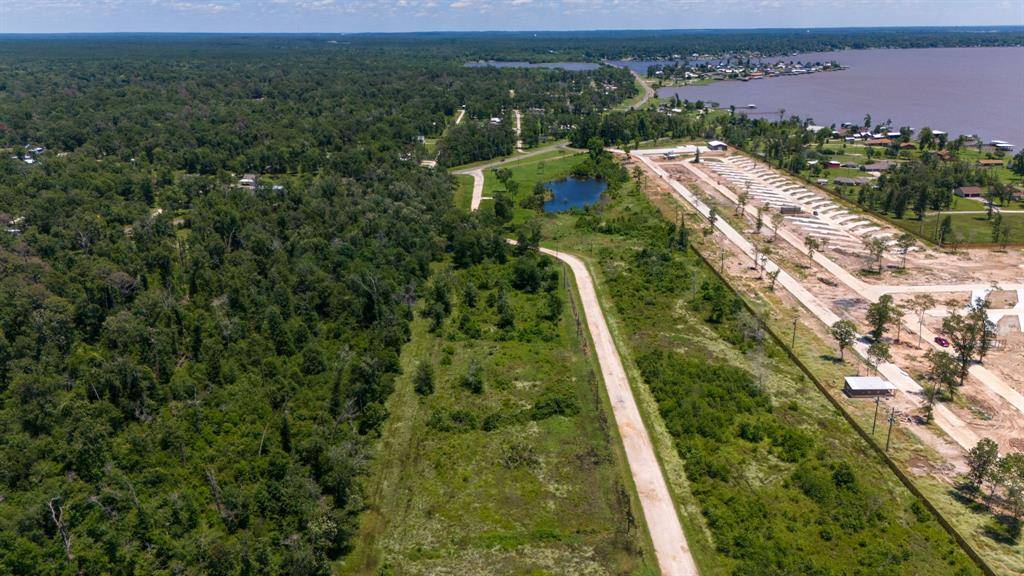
pixel 868 383
pixel 716 143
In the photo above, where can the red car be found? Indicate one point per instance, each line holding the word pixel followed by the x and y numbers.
pixel 942 341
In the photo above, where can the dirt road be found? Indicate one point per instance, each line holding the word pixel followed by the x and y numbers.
pixel 950 423
pixel 478 172
pixel 519 131
pixel 670 544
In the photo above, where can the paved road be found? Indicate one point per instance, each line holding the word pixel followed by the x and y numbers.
pixel 458 119
pixel 956 428
pixel 670 546
pixel 648 91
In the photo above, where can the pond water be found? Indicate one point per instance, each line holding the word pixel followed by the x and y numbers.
pixel 574 192
pixel 958 90
pixel 570 66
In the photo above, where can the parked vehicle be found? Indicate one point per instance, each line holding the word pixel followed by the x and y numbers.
pixel 942 341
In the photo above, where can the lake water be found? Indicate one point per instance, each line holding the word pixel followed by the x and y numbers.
pixel 570 66
pixel 572 193
pixel 958 90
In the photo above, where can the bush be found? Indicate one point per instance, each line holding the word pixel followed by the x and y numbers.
pixel 423 381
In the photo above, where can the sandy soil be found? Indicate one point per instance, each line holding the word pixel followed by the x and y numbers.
pixel 979 407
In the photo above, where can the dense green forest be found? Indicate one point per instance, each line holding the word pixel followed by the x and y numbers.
pixel 192 371
pixel 591 45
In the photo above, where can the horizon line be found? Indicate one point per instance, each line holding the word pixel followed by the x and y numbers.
pixel 517 31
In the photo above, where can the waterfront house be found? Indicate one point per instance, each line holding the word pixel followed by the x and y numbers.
pixel 969 191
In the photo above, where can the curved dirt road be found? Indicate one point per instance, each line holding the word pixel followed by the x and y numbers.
pixel 478 172
pixel 670 545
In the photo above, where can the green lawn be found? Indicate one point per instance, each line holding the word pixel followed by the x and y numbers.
pixel 526 477
pixel 746 504
pixel 463 191
pixel 967 228
pixel 527 173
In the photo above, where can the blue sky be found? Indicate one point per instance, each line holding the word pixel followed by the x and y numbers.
pixel 17 16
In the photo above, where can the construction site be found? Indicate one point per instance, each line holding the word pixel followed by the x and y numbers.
pixel 831 262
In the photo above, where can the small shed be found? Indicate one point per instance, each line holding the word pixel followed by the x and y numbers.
pixel 969 191
pixel 868 387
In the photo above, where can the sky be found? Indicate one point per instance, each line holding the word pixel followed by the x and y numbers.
pixel 35 16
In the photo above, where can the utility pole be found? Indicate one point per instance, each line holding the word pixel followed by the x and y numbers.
pixel 874 420
pixel 721 260
pixel 892 420
pixel 792 343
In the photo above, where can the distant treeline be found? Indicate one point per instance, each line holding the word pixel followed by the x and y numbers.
pixel 592 45
pixel 533 46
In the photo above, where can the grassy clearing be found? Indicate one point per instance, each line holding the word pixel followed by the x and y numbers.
pixel 967 228
pixel 463 191
pixel 551 149
pixel 530 171
pixel 769 515
pixel 525 477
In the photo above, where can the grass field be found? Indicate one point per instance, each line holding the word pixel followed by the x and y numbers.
pixel 967 228
pixel 760 513
pixel 463 191
pixel 526 477
pixel 527 173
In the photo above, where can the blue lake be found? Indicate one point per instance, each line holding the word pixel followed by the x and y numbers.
pixel 570 66
pixel 958 90
pixel 573 192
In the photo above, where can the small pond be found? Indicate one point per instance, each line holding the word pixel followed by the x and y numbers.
pixel 570 66
pixel 574 192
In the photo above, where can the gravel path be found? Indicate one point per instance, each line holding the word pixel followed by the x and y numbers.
pixel 670 544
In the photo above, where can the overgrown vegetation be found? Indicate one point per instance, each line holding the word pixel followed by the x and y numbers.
pixel 509 465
